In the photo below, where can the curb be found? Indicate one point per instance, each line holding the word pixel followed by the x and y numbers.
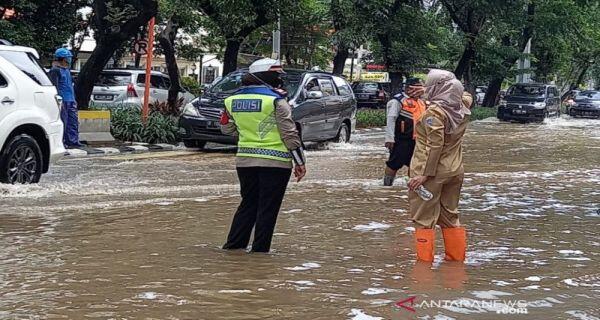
pixel 367 130
pixel 106 151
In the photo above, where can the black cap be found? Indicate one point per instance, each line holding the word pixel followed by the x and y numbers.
pixel 413 81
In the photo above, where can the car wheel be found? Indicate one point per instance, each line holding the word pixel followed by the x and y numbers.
pixel 21 161
pixel 343 135
pixel 194 144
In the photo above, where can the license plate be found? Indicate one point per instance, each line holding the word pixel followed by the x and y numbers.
pixel 363 96
pixel 105 97
pixel 517 111
pixel 213 124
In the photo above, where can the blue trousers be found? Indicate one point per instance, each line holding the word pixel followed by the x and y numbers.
pixel 70 120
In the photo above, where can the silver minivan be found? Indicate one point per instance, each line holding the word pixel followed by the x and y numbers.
pixel 125 88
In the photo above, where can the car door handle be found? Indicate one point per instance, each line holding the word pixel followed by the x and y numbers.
pixel 7 100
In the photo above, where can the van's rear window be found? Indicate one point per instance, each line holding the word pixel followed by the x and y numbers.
pixel 113 79
pixel 28 64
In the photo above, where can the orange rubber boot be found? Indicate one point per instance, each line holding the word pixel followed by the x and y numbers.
pixel 455 243
pixel 424 243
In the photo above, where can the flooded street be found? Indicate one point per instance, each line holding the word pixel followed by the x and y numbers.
pixel 138 236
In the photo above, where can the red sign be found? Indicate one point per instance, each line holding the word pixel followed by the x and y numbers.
pixel 375 67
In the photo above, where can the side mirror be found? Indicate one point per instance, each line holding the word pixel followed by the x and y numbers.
pixel 206 87
pixel 314 95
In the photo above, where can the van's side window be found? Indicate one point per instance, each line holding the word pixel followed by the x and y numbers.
pixel 327 87
pixel 3 82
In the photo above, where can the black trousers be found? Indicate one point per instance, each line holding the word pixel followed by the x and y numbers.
pixel 262 191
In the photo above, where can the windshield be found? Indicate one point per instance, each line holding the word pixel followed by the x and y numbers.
pixel 529 91
pixel 29 65
pixel 366 87
pixel 588 95
pixel 113 79
pixel 232 82
pixel 291 82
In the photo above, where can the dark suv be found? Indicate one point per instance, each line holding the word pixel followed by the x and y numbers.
pixel 586 104
pixel 324 108
pixel 371 94
pixel 529 102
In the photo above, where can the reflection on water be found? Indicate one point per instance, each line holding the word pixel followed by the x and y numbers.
pixel 106 238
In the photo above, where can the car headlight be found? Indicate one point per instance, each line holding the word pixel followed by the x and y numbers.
pixel 191 111
pixel 539 105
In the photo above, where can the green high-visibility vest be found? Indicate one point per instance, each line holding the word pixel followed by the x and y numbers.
pixel 254 116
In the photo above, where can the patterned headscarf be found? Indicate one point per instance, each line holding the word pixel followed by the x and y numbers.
pixel 443 89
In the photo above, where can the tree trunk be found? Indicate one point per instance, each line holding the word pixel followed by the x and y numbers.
pixel 339 60
pixel 491 96
pixel 395 82
pixel 138 60
pixel 230 57
pixel 166 39
pixel 108 39
pixel 90 71
pixel 466 60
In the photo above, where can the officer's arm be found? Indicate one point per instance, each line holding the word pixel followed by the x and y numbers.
pixel 288 131
pixel 393 109
pixel 434 127
pixel 227 125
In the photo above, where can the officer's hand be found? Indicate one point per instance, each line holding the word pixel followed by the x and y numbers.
pixel 417 181
pixel 389 145
pixel 299 172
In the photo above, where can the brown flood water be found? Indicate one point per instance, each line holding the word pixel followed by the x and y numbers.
pixel 112 238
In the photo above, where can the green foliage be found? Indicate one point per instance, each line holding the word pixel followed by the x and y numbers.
pixel 44 25
pixel 369 118
pixel 126 125
pixel 480 113
pixel 190 84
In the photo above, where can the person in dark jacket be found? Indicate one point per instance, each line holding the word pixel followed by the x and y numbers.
pixel 402 113
pixel 60 75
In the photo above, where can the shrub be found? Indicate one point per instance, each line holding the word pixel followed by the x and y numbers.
pixel 164 108
pixel 367 118
pixel 480 113
pixel 190 84
pixel 126 125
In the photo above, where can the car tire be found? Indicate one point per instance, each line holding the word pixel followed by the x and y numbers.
pixel 199 144
pixel 343 135
pixel 21 161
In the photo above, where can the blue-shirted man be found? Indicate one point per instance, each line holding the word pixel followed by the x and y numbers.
pixel 60 75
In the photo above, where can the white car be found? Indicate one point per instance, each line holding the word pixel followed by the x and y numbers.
pixel 125 88
pixel 31 131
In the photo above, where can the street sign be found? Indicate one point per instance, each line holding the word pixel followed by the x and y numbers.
pixel 140 47
pixel 375 76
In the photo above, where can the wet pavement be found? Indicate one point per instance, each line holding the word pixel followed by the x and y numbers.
pixel 138 236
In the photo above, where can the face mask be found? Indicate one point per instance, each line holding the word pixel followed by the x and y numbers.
pixel 69 60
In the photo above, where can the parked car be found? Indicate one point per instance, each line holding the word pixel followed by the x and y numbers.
pixel 529 102
pixel 372 94
pixel 480 94
pixel 586 104
pixel 31 131
pixel 125 87
pixel 324 108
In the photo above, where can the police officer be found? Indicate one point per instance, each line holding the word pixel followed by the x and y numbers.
pixel 60 75
pixel 403 111
pixel 268 146
pixel 437 164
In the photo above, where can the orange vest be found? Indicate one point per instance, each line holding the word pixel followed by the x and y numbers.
pixel 416 107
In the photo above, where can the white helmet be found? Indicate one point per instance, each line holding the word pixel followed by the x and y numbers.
pixel 265 65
